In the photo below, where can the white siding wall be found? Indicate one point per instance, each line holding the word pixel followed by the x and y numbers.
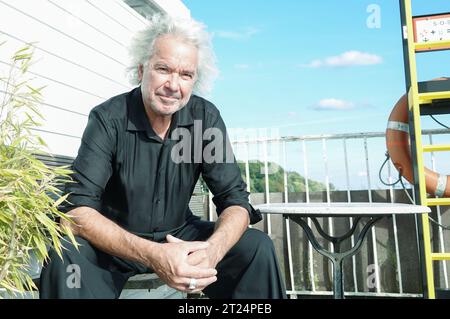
pixel 173 7
pixel 80 57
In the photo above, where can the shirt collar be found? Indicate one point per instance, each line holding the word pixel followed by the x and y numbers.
pixel 137 117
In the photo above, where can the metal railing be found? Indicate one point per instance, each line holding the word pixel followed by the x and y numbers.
pixel 242 153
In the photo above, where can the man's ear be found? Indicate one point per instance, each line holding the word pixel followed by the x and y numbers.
pixel 140 72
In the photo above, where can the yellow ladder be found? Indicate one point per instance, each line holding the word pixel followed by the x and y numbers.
pixel 418 100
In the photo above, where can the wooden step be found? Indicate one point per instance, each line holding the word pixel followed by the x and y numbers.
pixel 438 201
pixel 430 97
pixel 436 148
pixel 440 256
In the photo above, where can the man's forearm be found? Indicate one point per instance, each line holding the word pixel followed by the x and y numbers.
pixel 109 237
pixel 230 226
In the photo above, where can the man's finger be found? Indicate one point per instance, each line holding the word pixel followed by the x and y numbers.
pixel 196 258
pixel 192 245
pixel 197 272
pixel 200 284
pixel 196 245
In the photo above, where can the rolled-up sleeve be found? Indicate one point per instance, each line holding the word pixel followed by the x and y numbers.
pixel 93 165
pixel 221 172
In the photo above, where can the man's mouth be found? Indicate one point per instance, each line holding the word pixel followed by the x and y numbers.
pixel 168 98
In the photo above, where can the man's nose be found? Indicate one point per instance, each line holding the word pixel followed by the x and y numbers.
pixel 173 82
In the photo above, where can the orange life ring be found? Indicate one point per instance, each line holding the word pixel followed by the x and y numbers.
pixel 397 142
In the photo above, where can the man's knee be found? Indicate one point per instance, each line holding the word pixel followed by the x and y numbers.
pixel 255 244
pixel 260 239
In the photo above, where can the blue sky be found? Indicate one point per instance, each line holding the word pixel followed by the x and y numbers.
pixel 316 67
pixel 277 70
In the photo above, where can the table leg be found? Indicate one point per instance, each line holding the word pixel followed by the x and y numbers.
pixel 338 277
pixel 337 258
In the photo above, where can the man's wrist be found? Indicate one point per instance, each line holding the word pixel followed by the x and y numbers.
pixel 218 249
pixel 146 250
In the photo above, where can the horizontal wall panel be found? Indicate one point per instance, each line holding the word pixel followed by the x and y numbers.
pixel 103 60
pixel 52 18
pixel 63 145
pixel 115 12
pixel 82 12
pixel 63 96
pixel 47 66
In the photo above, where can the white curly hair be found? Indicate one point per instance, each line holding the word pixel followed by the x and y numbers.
pixel 143 43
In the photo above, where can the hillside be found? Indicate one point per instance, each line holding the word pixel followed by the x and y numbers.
pixel 296 182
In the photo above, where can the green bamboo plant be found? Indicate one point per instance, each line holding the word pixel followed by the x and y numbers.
pixel 29 190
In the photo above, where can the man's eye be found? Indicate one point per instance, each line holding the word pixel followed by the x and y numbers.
pixel 187 76
pixel 162 69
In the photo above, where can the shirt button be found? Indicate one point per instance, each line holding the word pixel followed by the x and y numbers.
pixel 158 201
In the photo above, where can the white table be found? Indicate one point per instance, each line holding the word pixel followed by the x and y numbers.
pixel 374 211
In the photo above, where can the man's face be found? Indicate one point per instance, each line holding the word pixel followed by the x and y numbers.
pixel 169 76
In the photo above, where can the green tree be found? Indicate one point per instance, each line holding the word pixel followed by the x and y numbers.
pixel 295 182
pixel 29 190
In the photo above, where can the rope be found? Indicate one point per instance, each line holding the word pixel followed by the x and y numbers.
pixel 381 168
pixel 438 224
pixel 440 123
pixel 400 180
pixel 406 191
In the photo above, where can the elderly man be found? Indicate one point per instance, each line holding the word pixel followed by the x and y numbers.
pixel 133 185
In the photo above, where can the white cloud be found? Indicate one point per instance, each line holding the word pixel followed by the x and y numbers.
pixel 349 58
pixel 314 64
pixel 334 104
pixel 244 34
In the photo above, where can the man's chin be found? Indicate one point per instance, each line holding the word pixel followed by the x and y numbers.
pixel 166 111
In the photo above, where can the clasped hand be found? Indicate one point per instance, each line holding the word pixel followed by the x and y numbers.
pixel 181 261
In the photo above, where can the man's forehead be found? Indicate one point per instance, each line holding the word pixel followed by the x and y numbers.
pixel 180 54
pixel 174 43
pixel 173 63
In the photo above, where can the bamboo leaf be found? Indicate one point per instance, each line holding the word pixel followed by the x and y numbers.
pixel 18 284
pixel 41 141
pixel 9 287
pixel 69 234
pixel 19 57
pixel 40 246
pixel 60 200
pixel 27 212
pixel 24 49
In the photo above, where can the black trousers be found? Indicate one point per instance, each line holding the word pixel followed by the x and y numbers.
pixel 249 269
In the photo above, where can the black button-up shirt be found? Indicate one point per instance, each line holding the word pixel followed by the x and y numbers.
pixel 128 173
